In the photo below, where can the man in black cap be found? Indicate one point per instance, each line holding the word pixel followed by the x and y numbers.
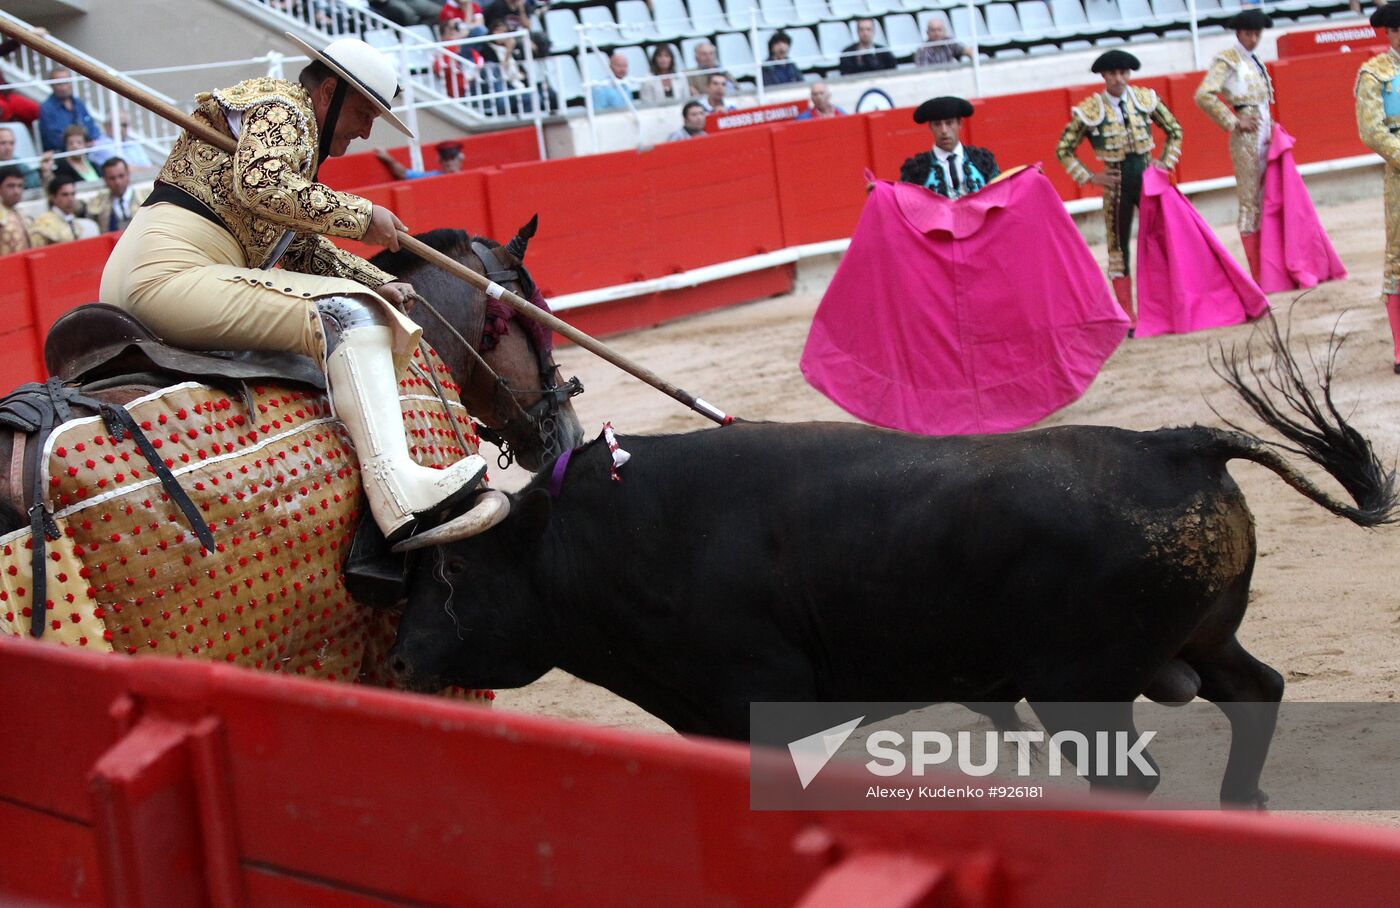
pixel 1118 124
pixel 1378 121
pixel 1238 74
pixel 951 168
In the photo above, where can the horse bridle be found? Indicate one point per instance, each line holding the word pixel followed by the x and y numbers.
pixel 543 415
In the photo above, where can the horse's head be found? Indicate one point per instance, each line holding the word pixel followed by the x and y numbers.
pixel 502 361
pixel 533 417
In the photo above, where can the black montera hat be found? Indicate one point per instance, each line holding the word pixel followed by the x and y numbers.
pixel 1115 59
pixel 945 108
pixel 1250 20
pixel 1387 16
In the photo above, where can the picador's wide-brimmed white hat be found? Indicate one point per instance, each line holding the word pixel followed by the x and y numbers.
pixel 364 69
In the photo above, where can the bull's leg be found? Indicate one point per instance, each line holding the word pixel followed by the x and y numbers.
pixel 1248 692
pixel 1066 723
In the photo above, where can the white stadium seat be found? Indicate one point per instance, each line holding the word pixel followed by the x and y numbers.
pixel 805 51
pixel 963 24
pixel 740 14
pixel 848 9
pixel 603 28
pixel 1137 14
pixel 561 26
pixel 637 63
pixel 671 18
pixel 1103 13
pixel 809 12
pixel 1036 22
pixel 1068 15
pixel 833 38
pixel 706 17
pixel 736 55
pixel 1001 20
pixel 563 75
pixel 634 21
pixel 903 33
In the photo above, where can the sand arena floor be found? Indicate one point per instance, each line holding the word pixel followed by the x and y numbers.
pixel 1325 605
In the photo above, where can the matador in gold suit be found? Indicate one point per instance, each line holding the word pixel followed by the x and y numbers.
pixel 1378 121
pixel 1118 124
pixel 196 264
pixel 1237 74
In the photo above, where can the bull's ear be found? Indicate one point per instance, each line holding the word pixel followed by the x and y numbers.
pixel 530 514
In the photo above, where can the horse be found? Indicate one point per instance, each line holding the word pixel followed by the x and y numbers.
pixel 269 479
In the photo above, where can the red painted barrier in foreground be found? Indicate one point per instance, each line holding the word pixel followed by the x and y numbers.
pixel 151 781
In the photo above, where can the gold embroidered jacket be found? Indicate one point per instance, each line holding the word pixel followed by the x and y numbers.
pixel 1111 139
pixel 1377 82
pixel 1242 83
pixel 266 187
pixel 14 231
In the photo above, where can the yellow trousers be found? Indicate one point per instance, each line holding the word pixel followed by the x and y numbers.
pixel 1248 152
pixel 185 278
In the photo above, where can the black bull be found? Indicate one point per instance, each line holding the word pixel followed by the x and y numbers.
pixel 777 562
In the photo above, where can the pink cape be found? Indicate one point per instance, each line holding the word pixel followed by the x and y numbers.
pixel 978 315
pixel 1294 251
pixel 1186 280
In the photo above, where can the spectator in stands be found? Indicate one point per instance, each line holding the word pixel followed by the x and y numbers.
pixel 505 72
pixel 665 83
pixel 1118 124
pixel 126 148
pixel 1238 75
pixel 693 120
pixel 706 59
pixel 33 179
pixel 464 11
pixel 61 110
pixel 713 98
pixel 516 14
pixel 938 49
pixel 407 13
pixel 449 161
pixel 865 56
pixel 115 206
pixel 16 107
pixel 821 104
pixel 457 65
pixel 615 94
pixel 950 169
pixel 60 223
pixel 778 69
pixel 76 165
pixel 14 227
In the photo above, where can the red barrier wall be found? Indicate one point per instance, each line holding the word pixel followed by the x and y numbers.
pixel 452 200
pixel 596 226
pixel 1315 104
pixel 894 136
pixel 713 201
pixel 65 276
pixel 819 163
pixel 1206 148
pixel 173 782
pixel 1353 37
pixel 491 149
pixel 1024 129
pixel 20 340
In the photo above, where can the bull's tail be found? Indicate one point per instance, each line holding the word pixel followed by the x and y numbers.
pixel 1281 396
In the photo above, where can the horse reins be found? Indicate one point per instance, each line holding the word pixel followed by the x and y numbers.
pixel 548 396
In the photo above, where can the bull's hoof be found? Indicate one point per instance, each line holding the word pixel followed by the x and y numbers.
pixel 1256 801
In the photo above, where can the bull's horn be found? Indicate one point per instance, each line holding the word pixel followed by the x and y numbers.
pixel 490 509
pixel 521 240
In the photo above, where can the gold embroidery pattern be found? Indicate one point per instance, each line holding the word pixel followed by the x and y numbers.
pixel 1242 85
pixel 1112 140
pixel 265 188
pixel 14 231
pixel 1378 134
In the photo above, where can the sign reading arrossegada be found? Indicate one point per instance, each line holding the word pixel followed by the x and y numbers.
pixel 919 756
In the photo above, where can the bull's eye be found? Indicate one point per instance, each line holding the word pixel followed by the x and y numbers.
pixel 456 567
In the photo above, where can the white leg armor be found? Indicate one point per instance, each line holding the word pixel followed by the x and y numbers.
pixel 365 391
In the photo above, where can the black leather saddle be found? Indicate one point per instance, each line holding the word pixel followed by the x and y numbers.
pixel 96 342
